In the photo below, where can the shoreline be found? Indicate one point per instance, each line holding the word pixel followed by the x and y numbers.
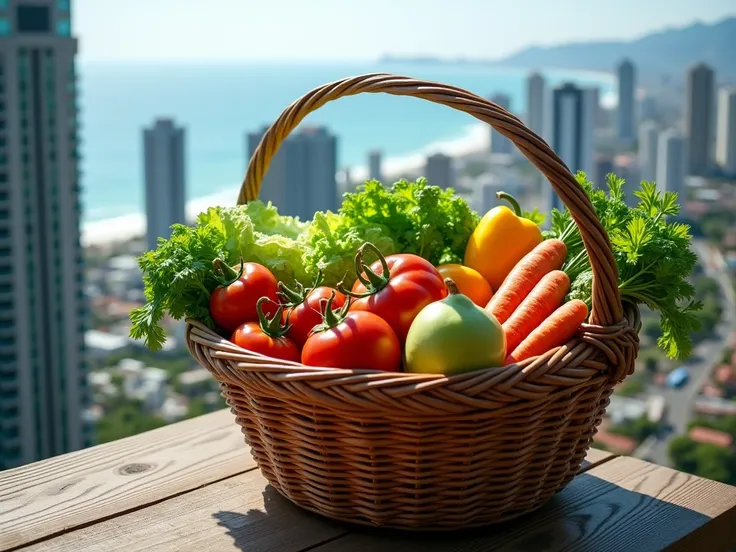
pixel 471 139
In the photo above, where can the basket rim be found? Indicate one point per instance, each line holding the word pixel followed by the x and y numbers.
pixel 591 338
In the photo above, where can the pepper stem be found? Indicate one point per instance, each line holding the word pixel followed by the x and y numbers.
pixel 225 273
pixel 512 200
pixel 372 281
pixel 272 327
pixel 451 287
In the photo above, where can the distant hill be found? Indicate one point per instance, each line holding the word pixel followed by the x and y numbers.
pixel 668 52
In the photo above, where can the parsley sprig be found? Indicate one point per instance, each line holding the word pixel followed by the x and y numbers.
pixel 652 254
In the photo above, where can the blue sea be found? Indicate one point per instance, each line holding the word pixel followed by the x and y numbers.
pixel 219 103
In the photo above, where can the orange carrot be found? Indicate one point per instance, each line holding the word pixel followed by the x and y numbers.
pixel 556 330
pixel 546 257
pixel 541 302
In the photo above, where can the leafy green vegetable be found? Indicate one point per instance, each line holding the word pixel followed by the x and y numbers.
pixel 652 254
pixel 421 219
pixel 178 274
pixel 409 217
pixel 332 244
pixel 535 215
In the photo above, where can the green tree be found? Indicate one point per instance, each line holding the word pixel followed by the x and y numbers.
pixel 638 429
pixel 126 418
pixel 682 453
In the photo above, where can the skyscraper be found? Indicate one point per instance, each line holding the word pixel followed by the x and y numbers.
pixel 374 165
pixel 626 74
pixel 647 155
pixel 43 313
pixel 499 143
pixel 439 171
pixel 647 108
pixel 699 112
pixel 163 162
pixel 535 103
pixel 301 178
pixel 726 132
pixel 573 114
pixel 672 163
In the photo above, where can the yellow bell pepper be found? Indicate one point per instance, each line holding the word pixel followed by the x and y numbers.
pixel 500 240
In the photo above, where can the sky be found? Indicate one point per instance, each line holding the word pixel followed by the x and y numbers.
pixel 226 30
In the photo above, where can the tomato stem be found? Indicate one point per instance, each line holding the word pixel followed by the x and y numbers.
pixel 226 274
pixel 272 327
pixel 330 318
pixel 512 200
pixel 372 281
pixel 294 297
pixel 451 287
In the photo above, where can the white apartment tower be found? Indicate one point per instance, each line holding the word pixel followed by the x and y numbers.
pixel 163 166
pixel 699 111
pixel 726 131
pixel 625 116
pixel 647 155
pixel 301 178
pixel 573 119
pixel 43 314
pixel 536 95
pixel 672 163
pixel 499 143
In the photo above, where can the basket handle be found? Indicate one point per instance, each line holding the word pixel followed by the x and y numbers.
pixel 606 301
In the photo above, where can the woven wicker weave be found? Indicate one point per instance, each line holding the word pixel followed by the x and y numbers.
pixel 420 451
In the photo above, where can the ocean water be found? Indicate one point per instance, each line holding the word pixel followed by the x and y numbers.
pixel 219 103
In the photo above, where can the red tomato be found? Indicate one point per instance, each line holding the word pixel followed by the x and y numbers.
pixel 234 302
pixel 353 340
pixel 267 336
pixel 304 316
pixel 396 288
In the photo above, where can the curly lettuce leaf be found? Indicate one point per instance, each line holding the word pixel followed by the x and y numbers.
pixel 424 220
pixel 332 244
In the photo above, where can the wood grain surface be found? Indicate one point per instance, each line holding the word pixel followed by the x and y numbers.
pixel 624 505
pixel 45 498
pixel 240 512
pixel 193 487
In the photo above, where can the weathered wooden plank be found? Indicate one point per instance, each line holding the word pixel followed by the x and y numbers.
pixel 242 510
pixel 239 513
pixel 624 504
pixel 61 493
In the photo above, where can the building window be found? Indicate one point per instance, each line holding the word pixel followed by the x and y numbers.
pixel 4 26
pixel 63 28
pixel 33 19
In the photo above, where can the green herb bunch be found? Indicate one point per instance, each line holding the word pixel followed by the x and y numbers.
pixel 652 255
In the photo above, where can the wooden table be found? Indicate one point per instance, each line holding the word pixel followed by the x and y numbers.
pixel 193 486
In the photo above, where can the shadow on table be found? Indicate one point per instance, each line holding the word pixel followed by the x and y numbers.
pixel 283 526
pixel 590 515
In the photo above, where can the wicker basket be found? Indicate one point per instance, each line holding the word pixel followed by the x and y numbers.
pixel 429 452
